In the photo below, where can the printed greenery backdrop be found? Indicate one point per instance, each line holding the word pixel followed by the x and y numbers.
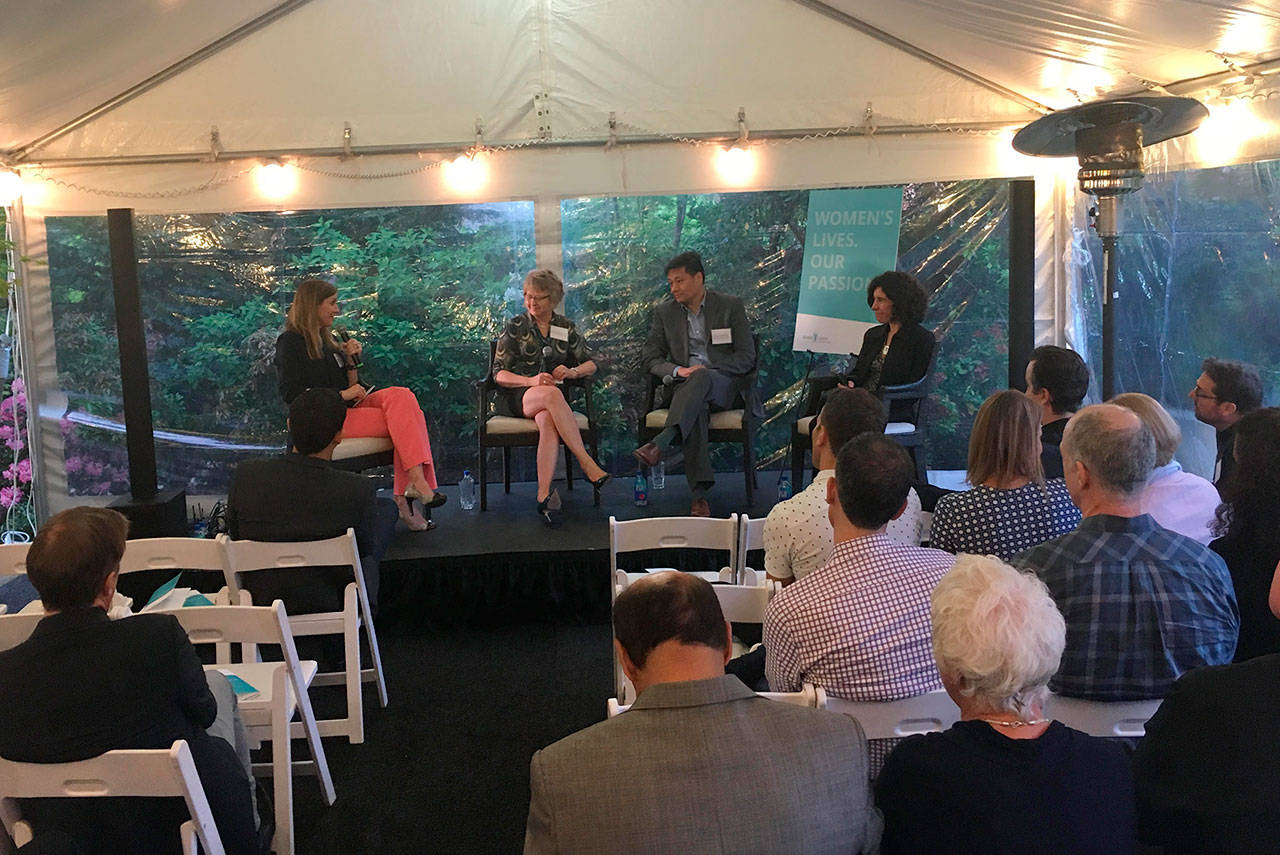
pixel 427 287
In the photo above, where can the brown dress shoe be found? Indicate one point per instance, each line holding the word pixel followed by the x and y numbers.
pixel 649 454
pixel 700 508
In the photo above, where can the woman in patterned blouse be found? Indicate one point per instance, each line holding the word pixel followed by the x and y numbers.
pixel 536 352
pixel 1011 507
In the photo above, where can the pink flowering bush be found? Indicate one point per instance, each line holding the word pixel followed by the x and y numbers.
pixel 15 478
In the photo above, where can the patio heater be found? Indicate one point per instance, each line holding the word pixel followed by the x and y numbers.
pixel 1107 137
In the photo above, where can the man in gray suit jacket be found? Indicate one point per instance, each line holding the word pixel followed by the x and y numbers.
pixel 701 346
pixel 699 763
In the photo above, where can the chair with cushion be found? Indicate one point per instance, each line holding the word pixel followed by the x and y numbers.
pixel 248 556
pixel 145 773
pixel 358 453
pixel 508 432
pixel 281 691
pixel 734 425
pixel 1103 718
pixel 927 713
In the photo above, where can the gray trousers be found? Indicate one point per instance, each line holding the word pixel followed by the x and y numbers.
pixel 692 403
pixel 228 727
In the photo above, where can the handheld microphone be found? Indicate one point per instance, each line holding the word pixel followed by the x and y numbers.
pixel 354 361
pixel 668 380
pixel 546 354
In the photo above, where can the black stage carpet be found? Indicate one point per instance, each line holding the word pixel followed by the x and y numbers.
pixel 506 565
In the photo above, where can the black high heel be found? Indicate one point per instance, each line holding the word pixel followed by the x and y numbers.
pixel 599 483
pixel 549 508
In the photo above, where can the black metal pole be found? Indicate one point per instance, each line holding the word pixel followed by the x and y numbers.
pixel 135 381
pixel 1108 316
pixel 1022 278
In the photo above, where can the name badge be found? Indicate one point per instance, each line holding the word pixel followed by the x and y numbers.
pixel 722 336
pixel 560 333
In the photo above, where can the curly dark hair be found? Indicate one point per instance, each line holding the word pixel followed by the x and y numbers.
pixel 904 291
pixel 1252 493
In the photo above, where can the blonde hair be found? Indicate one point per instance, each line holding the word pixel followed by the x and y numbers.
pixel 1164 429
pixel 304 315
pixel 999 631
pixel 547 282
pixel 1002 445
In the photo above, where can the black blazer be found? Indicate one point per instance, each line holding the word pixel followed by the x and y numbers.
pixel 907 361
pixel 297 372
pixel 295 497
pixel 84 684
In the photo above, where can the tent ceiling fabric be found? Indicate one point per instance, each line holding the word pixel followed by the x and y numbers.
pixel 408 73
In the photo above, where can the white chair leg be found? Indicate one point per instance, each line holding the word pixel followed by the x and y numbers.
pixel 366 618
pixel 312 734
pixel 351 637
pixel 282 766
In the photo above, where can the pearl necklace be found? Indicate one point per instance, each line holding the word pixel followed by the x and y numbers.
pixel 1016 723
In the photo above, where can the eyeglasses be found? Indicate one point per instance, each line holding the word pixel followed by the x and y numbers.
pixel 1197 392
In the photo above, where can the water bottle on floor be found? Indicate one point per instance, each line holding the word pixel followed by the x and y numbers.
pixel 467 491
pixel 784 487
pixel 658 476
pixel 641 490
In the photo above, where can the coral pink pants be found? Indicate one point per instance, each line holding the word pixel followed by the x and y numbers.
pixel 394 412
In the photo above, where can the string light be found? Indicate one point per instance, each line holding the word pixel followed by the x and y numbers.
pixel 467 173
pixel 275 180
pixel 736 165
pixel 10 187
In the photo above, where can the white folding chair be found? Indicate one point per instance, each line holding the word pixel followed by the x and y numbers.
pixel 927 713
pixel 13 559
pixel 1103 718
pixel 674 533
pixel 174 553
pixel 809 696
pixel 16 628
pixel 137 772
pixel 750 538
pixel 248 556
pixel 282 691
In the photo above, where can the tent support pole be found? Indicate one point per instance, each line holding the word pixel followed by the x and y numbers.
pixel 920 53
pixel 272 15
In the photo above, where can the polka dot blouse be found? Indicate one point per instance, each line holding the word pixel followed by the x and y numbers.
pixel 987 521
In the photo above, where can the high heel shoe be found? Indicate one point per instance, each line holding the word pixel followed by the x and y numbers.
pixel 549 508
pixel 437 498
pixel 411 520
pixel 598 484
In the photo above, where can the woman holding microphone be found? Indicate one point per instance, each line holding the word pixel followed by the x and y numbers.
pixel 308 355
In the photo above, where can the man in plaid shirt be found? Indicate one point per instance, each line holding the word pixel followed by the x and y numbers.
pixel 859 626
pixel 1142 603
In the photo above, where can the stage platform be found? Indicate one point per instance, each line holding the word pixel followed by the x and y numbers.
pixel 506 565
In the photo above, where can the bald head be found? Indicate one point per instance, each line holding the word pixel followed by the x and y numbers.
pixel 665 607
pixel 1114 445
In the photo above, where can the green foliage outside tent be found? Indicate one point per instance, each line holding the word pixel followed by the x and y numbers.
pixel 426 288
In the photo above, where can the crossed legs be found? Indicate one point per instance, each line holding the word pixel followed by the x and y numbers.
pixel 556 423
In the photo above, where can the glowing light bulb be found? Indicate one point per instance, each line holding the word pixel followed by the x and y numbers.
pixel 276 181
pixel 10 187
pixel 466 174
pixel 736 166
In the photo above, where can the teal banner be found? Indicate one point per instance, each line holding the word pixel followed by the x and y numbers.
pixel 851 236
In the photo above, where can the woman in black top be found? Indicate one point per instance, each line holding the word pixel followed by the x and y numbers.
pixel 536 351
pixel 897 351
pixel 309 356
pixel 1005 778
pixel 1249 539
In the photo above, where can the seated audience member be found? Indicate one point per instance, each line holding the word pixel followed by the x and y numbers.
pixel 301 496
pixel 1143 604
pixel 797 532
pixel 859 626
pixel 83 684
pixel 1004 778
pixel 1250 535
pixel 1208 770
pixel 1176 500
pixel 1057 380
pixel 699 763
pixel 1010 507
pixel 1224 392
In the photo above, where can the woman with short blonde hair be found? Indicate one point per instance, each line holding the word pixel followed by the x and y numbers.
pixel 1005 772
pixel 1179 501
pixel 1010 506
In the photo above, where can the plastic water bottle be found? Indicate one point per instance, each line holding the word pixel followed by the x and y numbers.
pixel 467 491
pixel 658 476
pixel 641 490
pixel 784 487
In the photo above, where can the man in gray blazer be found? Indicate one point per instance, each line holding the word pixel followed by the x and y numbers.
pixel 699 763
pixel 701 346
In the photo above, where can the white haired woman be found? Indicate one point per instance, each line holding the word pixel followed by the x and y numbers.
pixel 1004 778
